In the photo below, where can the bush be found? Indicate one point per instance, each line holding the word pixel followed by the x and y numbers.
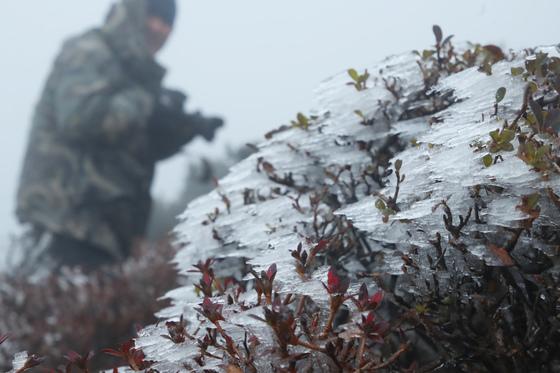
pixel 377 235
pixel 82 313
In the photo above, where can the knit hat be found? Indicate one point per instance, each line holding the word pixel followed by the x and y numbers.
pixel 164 9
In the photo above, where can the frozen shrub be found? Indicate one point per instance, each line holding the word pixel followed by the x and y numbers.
pixel 408 224
pixel 82 313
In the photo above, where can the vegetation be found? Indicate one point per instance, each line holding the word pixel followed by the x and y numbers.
pixel 61 317
pixel 453 268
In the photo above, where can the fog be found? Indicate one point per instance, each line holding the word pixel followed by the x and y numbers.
pixel 254 62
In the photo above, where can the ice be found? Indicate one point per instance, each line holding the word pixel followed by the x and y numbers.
pixel 19 361
pixel 270 209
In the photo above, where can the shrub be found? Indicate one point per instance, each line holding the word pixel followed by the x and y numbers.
pixel 82 313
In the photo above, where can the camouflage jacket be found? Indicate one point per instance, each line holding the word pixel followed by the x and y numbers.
pixel 90 159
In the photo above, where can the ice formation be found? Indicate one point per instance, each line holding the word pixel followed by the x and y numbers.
pixel 321 171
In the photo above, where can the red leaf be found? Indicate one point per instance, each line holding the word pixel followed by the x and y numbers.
pixel 369 319
pixel 496 51
pixel 332 280
pixel 79 360
pixel 112 352
pixel 336 284
pixel 134 357
pixel 271 272
pixel 73 357
pixel 127 346
pixel 207 279
pixel 212 311
pixel 320 246
pixel 502 255
pixel 377 298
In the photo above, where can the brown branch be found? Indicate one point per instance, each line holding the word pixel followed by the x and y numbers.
pixel 477 218
pixel 336 302
pixel 311 346
pixel 440 260
pixel 389 361
pixel 455 230
pixel 361 351
pixel 524 107
pixel 300 306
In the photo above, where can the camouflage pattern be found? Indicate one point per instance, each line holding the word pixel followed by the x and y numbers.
pixel 90 158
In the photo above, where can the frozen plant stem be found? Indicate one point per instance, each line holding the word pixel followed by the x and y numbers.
pixel 369 366
pixel 335 302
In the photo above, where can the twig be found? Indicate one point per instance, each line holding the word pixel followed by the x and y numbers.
pixel 300 306
pixel 440 252
pixel 524 107
pixel 391 360
pixel 455 230
pixel 361 350
pixel 311 346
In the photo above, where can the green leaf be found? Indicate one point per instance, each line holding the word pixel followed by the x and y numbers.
pixel 540 153
pixel 380 205
pixel 398 164
pixel 531 66
pixel 302 120
pixel 500 94
pixel 495 135
pixel 532 200
pixel 530 149
pixel 537 110
pixel 515 71
pixel 354 75
pixel 360 114
pixel 531 119
pixel 427 53
pixel 493 148
pixel 438 33
pixel 389 211
pixel 421 308
pixel 507 135
pixel 506 147
pixel 487 160
pixel 533 87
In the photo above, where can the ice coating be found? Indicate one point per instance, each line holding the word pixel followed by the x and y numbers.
pixel 441 165
pixel 19 361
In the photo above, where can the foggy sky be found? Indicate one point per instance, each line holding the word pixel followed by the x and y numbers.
pixel 255 62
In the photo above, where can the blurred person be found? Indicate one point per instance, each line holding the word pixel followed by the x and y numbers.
pixel 102 123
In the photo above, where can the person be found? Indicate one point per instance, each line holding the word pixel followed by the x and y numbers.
pixel 103 122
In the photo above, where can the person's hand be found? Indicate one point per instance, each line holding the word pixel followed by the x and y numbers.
pixel 209 126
